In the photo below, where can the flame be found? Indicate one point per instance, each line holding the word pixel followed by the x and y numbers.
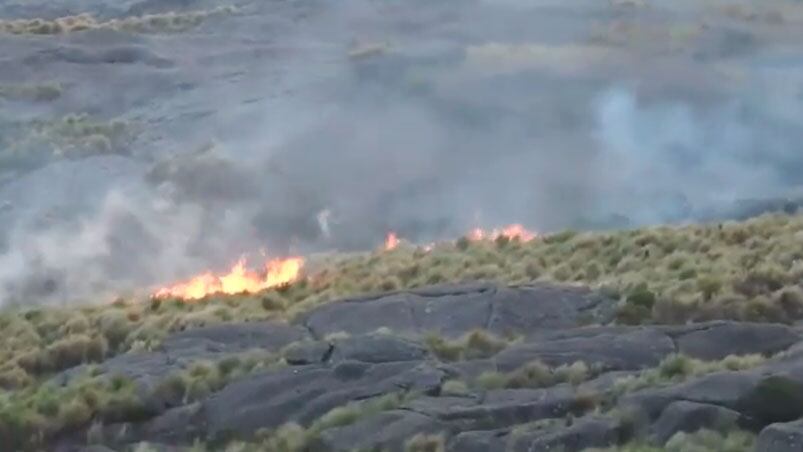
pixel 513 231
pixel 391 241
pixel 517 231
pixel 476 234
pixel 239 279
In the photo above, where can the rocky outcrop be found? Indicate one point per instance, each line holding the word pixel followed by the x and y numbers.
pixel 453 310
pixel 781 437
pixel 500 401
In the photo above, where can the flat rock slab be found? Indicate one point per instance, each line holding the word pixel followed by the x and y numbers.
pixel 582 435
pixel 232 338
pixel 506 407
pixel 478 441
pixel 622 349
pixel 388 431
pixel 326 371
pixel 683 416
pixel 303 394
pixel 453 310
pixel 716 340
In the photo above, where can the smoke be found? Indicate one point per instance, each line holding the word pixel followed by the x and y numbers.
pixel 461 114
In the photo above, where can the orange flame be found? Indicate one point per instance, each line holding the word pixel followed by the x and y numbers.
pixel 513 231
pixel 239 279
pixel 391 241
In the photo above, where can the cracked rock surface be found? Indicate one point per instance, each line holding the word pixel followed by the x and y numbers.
pixel 378 352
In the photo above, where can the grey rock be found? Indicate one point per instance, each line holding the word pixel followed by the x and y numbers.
pixel 389 431
pixel 583 434
pixel 180 350
pixel 605 382
pixel 722 389
pixel 717 340
pixel 173 426
pixel 478 441
pixel 781 437
pixel 683 416
pixel 469 370
pixel 631 349
pixel 508 407
pixel 453 310
pixel 774 398
pixel 362 316
pixel 437 407
pixel 303 394
pixel 525 309
pixel 377 348
pixel 227 338
pixel 307 352
pixel 123 54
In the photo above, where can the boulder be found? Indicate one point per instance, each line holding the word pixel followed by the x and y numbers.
pixel 377 348
pixel 684 416
pixel 781 437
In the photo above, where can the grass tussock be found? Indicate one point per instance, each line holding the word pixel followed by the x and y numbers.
pixel 700 441
pixel 28 417
pixel 536 375
pixel 31 415
pixel 678 367
pixel 477 344
pixel 292 437
pixel 742 270
pixel 171 22
pixel 32 144
pixel 425 443
pixel 42 92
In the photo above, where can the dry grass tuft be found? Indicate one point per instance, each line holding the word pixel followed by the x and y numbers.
pixel 172 22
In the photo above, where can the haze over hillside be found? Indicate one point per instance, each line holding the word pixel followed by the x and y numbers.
pixel 306 125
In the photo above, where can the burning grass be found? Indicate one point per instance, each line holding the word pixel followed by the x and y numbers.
pixel 239 279
pixel 738 270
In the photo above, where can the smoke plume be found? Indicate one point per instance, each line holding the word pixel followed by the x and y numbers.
pixel 309 126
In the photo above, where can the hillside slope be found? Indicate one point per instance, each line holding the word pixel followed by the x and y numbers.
pixel 544 352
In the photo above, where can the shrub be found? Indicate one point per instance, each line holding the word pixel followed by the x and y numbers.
pixel 425 443
pixel 790 300
pixel 477 344
pixel 74 413
pixel 491 380
pixel 532 375
pixel 287 438
pixel 272 301
pixel 709 286
pixel 676 365
pixel 454 387
pixel 641 296
pixel 463 243
pixel 74 350
pixel 576 373
pixel 632 314
pixel 115 326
